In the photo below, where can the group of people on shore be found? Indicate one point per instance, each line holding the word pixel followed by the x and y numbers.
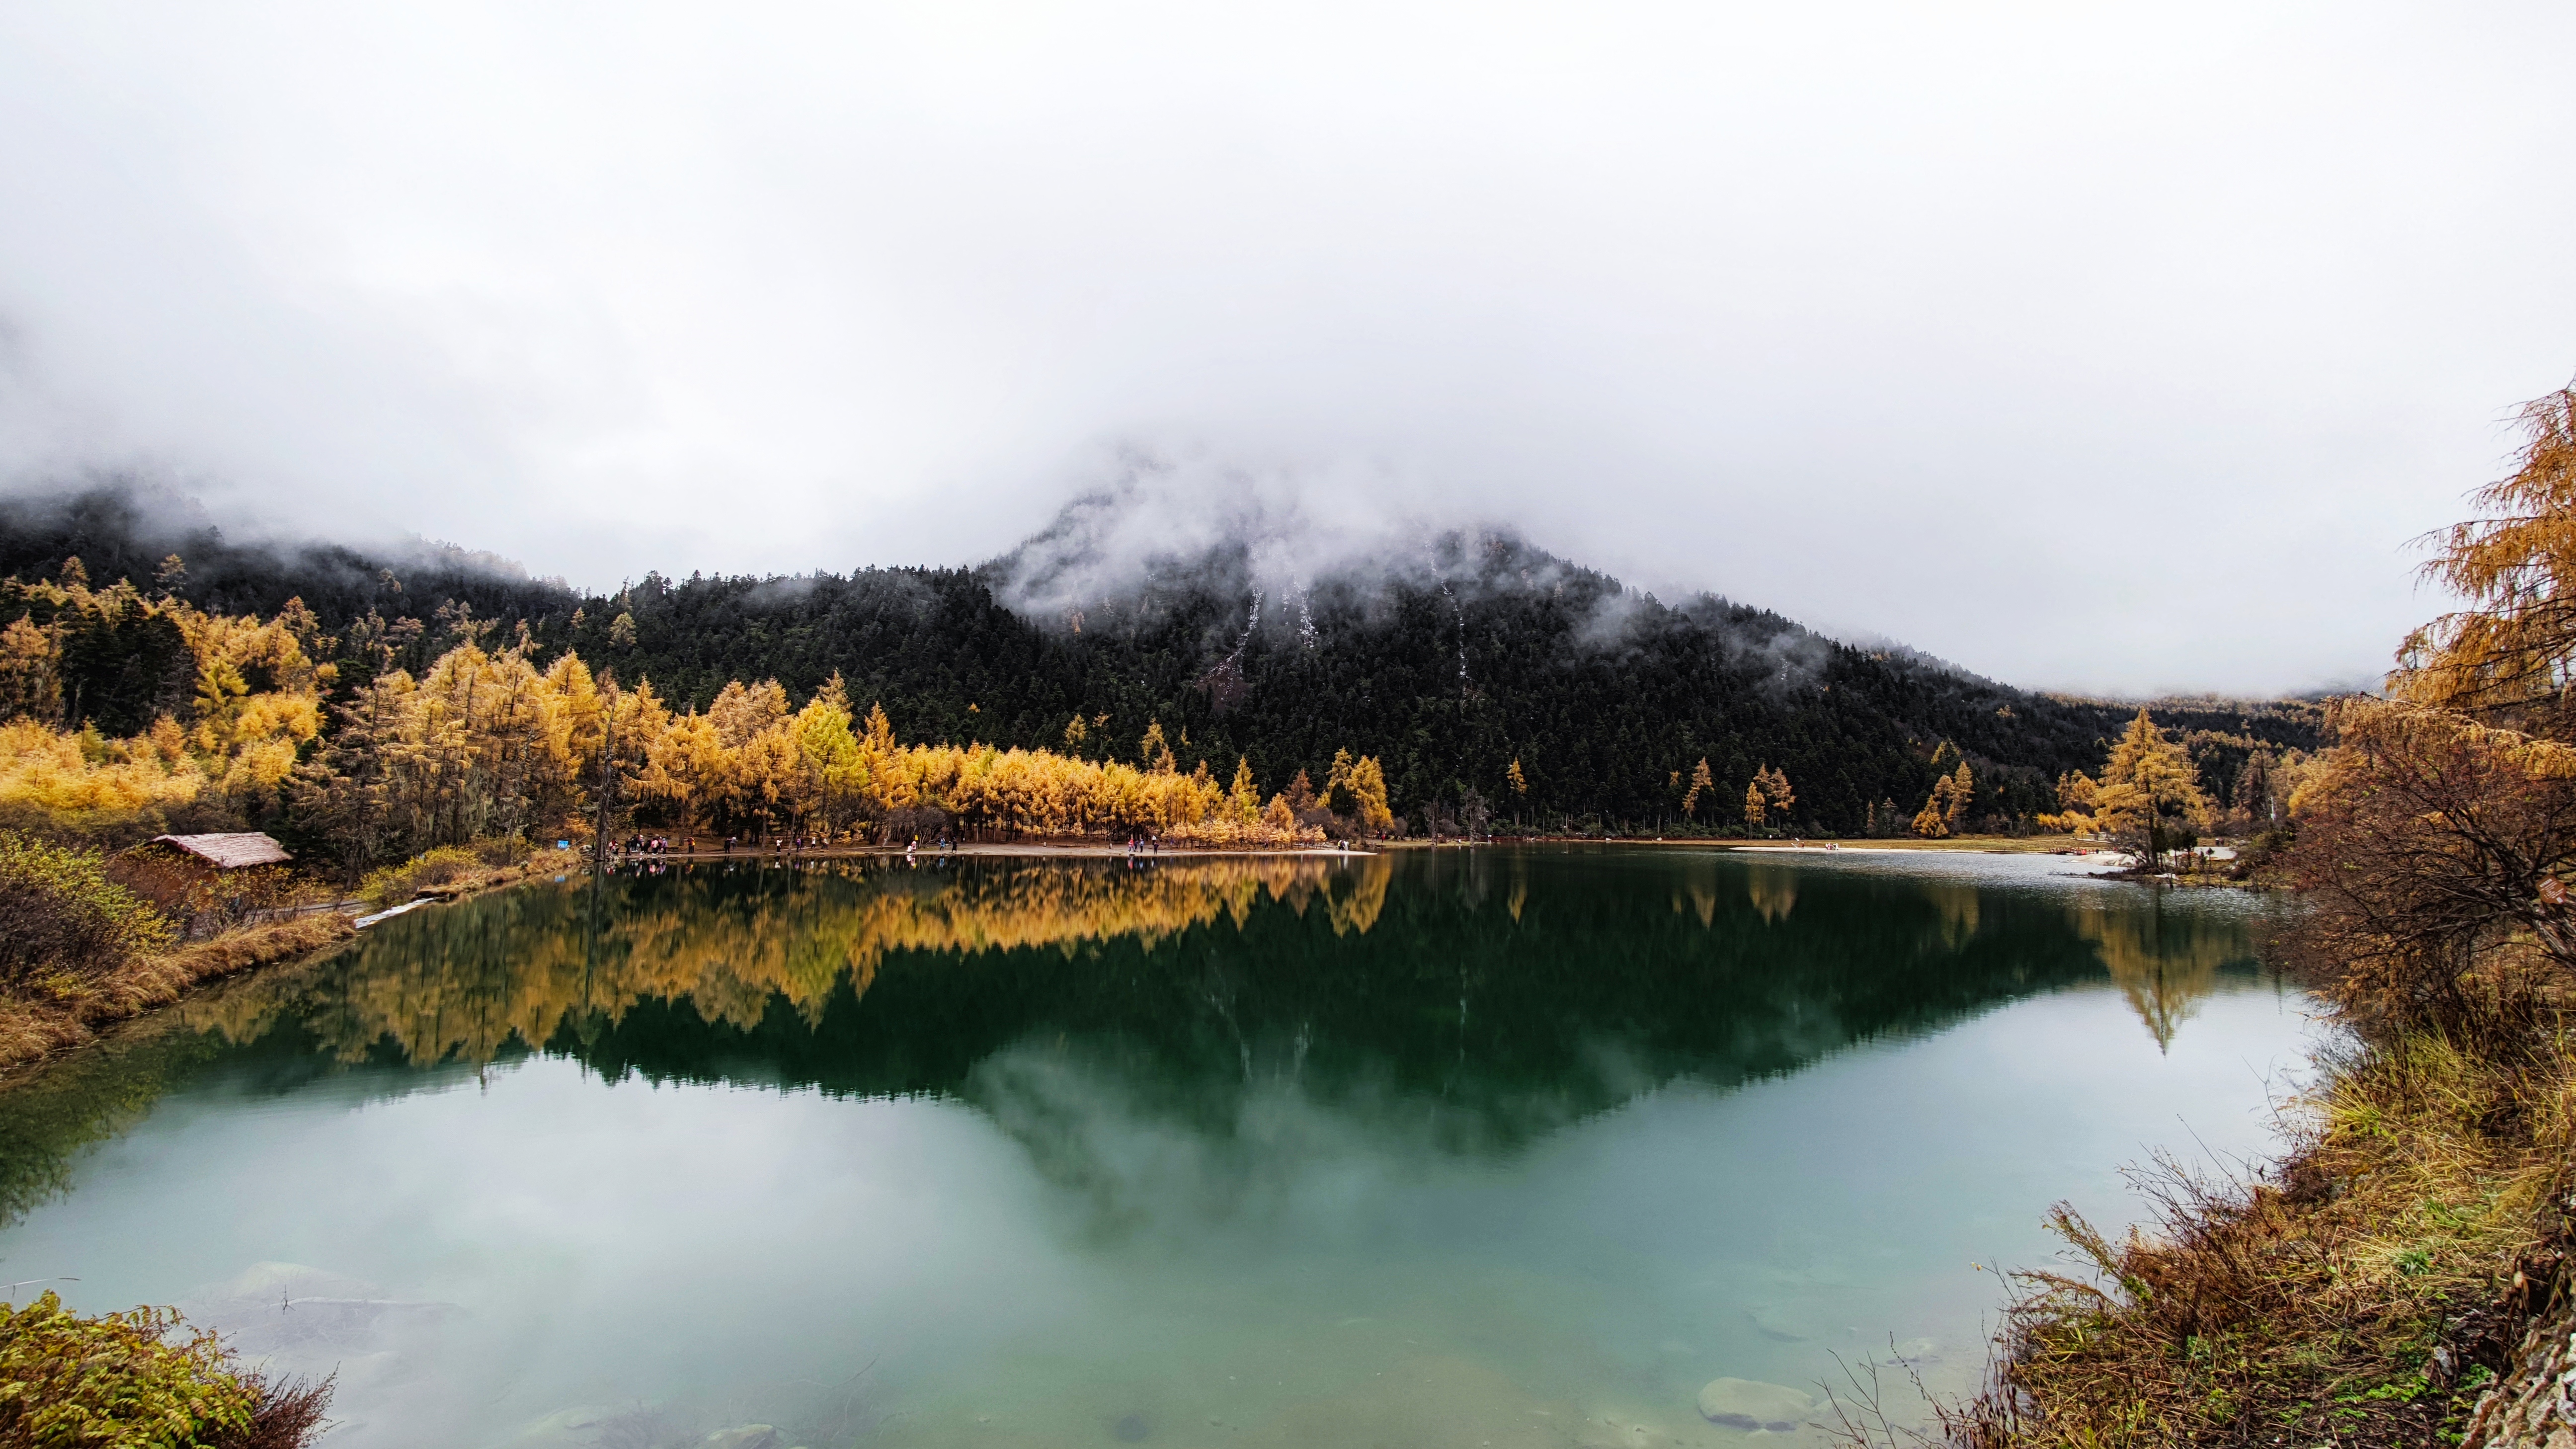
pixel 644 845
pixel 639 846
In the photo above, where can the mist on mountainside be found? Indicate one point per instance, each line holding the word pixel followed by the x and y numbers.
pixel 120 528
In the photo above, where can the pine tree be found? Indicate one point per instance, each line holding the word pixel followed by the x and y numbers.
pixel 2253 796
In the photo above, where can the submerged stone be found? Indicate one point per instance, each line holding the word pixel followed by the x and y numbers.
pixel 1777 1325
pixel 1750 1404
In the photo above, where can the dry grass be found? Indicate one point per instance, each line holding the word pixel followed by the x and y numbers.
pixel 487 878
pixel 66 1012
pixel 2361 1294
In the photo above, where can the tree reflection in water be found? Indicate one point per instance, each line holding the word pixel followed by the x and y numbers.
pixel 1499 993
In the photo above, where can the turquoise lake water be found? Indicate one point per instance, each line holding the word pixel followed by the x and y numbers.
pixel 1494 1147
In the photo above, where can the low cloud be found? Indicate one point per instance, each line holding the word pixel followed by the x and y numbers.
pixel 2089 348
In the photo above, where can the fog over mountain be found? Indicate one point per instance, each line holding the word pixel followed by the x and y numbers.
pixel 2113 348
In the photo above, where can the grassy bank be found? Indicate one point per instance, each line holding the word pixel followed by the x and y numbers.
pixel 450 873
pixel 2366 1290
pixel 66 1009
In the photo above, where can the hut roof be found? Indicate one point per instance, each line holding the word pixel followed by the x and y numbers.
pixel 229 852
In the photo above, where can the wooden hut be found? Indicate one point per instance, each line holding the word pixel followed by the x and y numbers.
pixel 206 882
pixel 238 851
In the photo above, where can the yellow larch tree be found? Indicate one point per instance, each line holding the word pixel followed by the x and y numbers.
pixel 1777 797
pixel 2149 799
pixel 2074 815
pixel 1246 794
pixel 2509 656
pixel 1963 791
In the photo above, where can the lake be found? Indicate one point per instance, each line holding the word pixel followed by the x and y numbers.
pixel 1505 1147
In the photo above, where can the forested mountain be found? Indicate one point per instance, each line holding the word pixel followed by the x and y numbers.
pixel 1473 665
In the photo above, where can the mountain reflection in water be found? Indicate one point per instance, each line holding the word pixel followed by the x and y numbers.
pixel 1429 1147
pixel 1507 1010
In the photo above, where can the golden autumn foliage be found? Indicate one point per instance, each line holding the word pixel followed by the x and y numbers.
pixel 1947 808
pixel 1777 797
pixel 487 744
pixel 2149 799
pixel 2510 656
pixel 254 704
pixel 69 774
pixel 1766 795
pixel 2074 814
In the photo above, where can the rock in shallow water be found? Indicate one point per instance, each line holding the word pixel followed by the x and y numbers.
pixel 745 1436
pixel 1909 1353
pixel 1750 1404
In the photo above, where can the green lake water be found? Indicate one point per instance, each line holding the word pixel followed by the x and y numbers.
pixel 1502 1147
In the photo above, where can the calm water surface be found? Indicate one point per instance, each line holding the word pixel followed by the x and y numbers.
pixel 1503 1147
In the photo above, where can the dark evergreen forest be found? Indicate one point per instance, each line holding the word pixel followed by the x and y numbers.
pixel 1449 664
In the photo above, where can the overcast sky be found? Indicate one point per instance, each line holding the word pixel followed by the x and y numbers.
pixel 2090 346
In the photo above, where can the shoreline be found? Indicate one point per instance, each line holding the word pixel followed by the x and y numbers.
pixel 1086 850
pixel 999 850
pixel 36 1031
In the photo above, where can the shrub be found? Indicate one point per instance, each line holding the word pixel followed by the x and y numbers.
pixel 59 913
pixel 395 884
pixel 127 1379
pixel 2426 842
